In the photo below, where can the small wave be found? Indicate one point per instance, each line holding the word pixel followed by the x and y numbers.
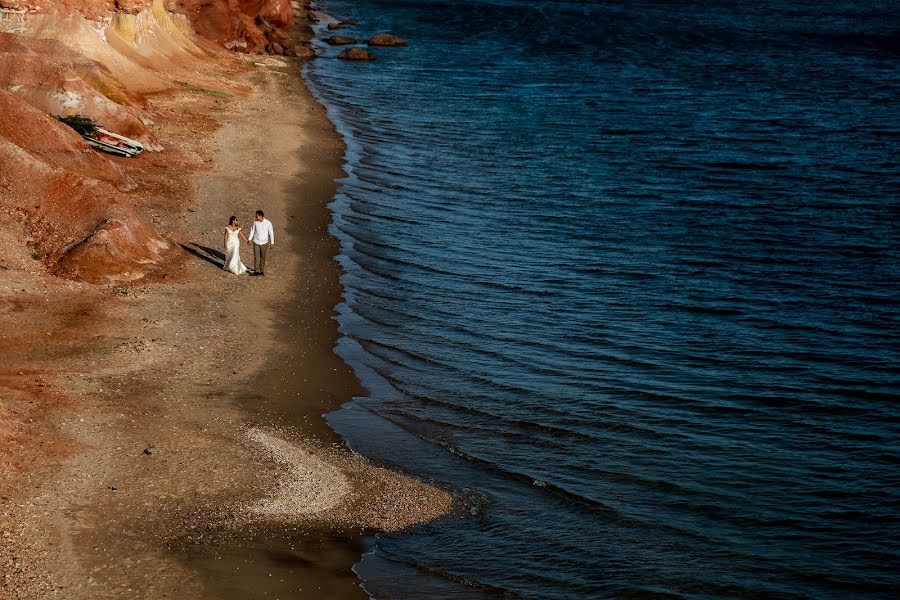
pixel 705 310
pixel 585 277
pixel 517 426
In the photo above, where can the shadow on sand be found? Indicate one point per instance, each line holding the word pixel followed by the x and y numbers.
pixel 204 253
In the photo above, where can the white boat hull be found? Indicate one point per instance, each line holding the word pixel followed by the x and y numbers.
pixel 113 143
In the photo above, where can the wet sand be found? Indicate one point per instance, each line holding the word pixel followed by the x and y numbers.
pixel 172 443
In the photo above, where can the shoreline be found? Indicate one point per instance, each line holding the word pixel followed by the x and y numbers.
pixel 299 319
pixel 173 418
pixel 304 333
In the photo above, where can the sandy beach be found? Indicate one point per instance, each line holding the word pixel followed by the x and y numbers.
pixel 164 439
pixel 569 300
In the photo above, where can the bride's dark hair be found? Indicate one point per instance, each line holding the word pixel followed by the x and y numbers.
pixel 232 220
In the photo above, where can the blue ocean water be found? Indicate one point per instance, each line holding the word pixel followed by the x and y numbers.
pixel 625 276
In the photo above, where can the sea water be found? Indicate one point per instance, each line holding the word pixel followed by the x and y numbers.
pixel 624 276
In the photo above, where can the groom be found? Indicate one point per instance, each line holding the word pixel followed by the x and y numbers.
pixel 261 237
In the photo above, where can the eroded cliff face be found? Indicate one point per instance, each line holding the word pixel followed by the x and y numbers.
pixel 237 24
pixel 66 209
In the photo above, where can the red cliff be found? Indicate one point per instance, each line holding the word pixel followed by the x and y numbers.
pixel 70 210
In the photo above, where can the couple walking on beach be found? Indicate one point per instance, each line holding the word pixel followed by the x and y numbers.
pixel 261 237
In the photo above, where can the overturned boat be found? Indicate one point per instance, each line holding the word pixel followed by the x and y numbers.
pixel 107 141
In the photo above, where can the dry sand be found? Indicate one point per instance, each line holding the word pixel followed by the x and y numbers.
pixel 169 442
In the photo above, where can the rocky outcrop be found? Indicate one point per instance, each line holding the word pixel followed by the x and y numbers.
pixel 57 189
pixel 61 198
pixel 132 7
pixel 49 76
pixel 33 145
pixel 65 208
pixel 303 51
pixel 120 249
pixel 243 25
pixel 386 39
pixel 356 54
pixel 340 40
pixel 133 48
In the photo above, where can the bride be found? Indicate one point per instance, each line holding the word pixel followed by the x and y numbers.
pixel 233 248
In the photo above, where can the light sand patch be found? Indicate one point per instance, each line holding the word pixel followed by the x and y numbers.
pixel 309 485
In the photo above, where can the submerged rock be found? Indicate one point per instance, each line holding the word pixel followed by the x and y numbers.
pixel 333 26
pixel 386 39
pixel 340 40
pixel 356 54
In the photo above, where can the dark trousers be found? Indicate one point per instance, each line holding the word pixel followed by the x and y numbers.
pixel 259 257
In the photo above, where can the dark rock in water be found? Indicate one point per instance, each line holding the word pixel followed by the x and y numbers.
pixel 339 40
pixel 341 24
pixel 313 18
pixel 386 39
pixel 356 54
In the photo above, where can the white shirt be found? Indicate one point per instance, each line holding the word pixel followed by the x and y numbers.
pixel 262 233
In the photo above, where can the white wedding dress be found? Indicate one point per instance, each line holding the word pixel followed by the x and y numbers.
pixel 233 253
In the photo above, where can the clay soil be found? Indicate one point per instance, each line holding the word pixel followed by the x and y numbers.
pixel 163 439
